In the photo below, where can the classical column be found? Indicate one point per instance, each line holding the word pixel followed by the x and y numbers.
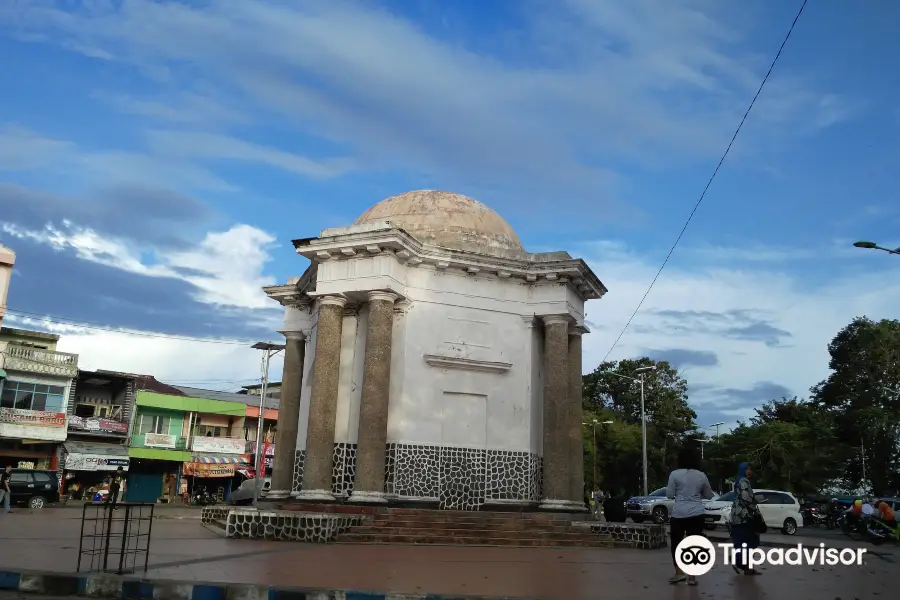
pixel 288 415
pixel 557 452
pixel 373 410
pixel 576 416
pixel 323 401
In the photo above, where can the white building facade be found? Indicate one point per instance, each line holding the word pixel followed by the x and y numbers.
pixel 430 359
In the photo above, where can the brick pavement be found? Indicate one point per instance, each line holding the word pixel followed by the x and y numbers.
pixel 182 550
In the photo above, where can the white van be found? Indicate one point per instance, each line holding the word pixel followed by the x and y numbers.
pixel 780 510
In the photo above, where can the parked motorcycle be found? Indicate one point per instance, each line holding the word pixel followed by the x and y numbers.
pixel 812 517
pixel 202 497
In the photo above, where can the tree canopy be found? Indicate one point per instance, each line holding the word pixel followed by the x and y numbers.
pixel 801 445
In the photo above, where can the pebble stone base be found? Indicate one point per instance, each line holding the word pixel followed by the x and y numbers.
pixel 645 537
pixel 243 523
pixel 457 478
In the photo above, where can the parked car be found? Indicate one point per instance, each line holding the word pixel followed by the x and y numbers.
pixel 33 488
pixel 655 506
pixel 779 509
pixel 244 492
pixel 717 508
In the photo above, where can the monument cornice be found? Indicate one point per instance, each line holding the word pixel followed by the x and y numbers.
pixel 550 268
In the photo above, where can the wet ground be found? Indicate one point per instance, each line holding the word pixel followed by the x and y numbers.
pixel 181 549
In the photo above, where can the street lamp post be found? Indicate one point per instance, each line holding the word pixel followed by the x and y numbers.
pixel 716 425
pixel 593 425
pixel 874 246
pixel 269 350
pixel 640 371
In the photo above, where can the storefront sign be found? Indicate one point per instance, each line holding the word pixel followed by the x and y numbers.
pixel 159 440
pixel 95 462
pixel 97 424
pixel 219 445
pixel 34 418
pixel 206 470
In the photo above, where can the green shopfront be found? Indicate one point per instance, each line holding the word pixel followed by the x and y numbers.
pixel 163 432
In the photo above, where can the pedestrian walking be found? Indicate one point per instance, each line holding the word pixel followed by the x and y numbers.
pixel 5 493
pixel 689 487
pixel 597 499
pixel 115 484
pixel 746 520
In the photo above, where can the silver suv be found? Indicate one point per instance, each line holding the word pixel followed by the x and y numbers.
pixel 655 506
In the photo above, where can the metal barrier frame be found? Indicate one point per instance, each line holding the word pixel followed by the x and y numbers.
pixel 107 540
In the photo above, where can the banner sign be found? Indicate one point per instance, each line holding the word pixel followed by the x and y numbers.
pixel 97 424
pixel 219 445
pixel 207 470
pixel 268 448
pixel 35 418
pixel 95 462
pixel 159 440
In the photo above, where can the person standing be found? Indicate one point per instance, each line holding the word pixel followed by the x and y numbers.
pixel 689 487
pixel 745 519
pixel 115 484
pixel 597 503
pixel 5 492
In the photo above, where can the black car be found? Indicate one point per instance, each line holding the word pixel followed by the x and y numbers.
pixel 33 488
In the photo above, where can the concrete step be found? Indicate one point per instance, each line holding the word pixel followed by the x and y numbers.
pixel 469 523
pixel 471 540
pixel 562 534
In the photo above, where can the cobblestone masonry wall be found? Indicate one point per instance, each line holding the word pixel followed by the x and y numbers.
pixel 647 537
pixel 242 523
pixel 458 478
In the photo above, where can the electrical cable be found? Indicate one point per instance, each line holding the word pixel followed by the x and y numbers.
pixel 708 183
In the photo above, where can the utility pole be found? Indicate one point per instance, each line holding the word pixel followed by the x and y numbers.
pixel 862 449
pixel 644 435
pixel 269 350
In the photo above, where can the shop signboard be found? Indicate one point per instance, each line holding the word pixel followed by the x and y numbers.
pixel 95 462
pixel 33 418
pixel 32 424
pixel 97 424
pixel 219 445
pixel 159 440
pixel 192 469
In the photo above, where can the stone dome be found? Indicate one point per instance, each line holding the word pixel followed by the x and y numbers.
pixel 445 219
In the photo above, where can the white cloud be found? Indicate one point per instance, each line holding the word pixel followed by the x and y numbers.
pixel 226 268
pixel 773 300
pixel 650 80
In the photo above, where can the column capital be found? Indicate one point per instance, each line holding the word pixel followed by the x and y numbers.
pixel 578 330
pixel 339 301
pixel 294 335
pixel 375 295
pixel 556 319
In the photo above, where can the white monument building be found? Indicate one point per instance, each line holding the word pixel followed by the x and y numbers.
pixel 431 359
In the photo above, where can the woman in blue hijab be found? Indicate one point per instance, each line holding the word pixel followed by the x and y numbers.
pixel 744 513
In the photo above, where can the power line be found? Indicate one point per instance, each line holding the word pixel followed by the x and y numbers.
pixel 53 320
pixel 709 183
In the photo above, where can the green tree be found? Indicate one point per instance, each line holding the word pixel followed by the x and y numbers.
pixel 612 390
pixel 865 369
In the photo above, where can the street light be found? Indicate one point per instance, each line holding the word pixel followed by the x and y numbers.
pixel 269 350
pixel 874 246
pixel 593 425
pixel 640 371
pixel 716 425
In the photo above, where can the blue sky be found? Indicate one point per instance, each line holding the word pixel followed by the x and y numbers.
pixel 156 158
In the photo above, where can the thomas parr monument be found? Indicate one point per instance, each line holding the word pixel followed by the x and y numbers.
pixel 430 360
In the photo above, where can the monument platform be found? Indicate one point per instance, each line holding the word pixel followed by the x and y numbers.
pixel 351 524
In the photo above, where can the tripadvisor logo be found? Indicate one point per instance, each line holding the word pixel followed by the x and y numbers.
pixel 695 555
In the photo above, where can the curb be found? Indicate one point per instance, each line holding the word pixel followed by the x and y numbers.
pixel 114 587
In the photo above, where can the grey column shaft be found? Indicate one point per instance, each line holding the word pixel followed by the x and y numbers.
pixel 556 388
pixel 373 411
pixel 288 413
pixel 323 400
pixel 576 416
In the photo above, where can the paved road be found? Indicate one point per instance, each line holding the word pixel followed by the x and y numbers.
pixel 183 550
